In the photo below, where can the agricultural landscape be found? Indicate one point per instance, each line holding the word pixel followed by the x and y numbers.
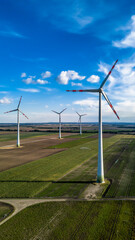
pixel 53 194
pixel 67 120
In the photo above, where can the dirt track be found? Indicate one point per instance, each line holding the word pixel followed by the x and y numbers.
pixel 32 149
pixel 20 204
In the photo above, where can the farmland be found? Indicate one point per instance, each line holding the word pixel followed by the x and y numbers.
pixel 42 180
pixel 69 172
pixel 5 210
pixel 72 220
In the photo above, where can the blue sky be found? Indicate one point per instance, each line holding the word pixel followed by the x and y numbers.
pixel 49 46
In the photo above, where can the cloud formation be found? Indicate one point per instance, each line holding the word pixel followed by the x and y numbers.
pixel 129 39
pixel 93 79
pixel 76 84
pixel 32 79
pixel 65 76
pixel 28 80
pixel 46 74
pixel 42 82
pixel 5 100
pixel 23 75
pixel 30 90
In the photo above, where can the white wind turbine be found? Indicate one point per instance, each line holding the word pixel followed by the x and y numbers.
pixel 100 171
pixel 80 118
pixel 59 113
pixel 18 121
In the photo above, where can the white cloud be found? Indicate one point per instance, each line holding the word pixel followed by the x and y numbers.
pixel 42 82
pixel 46 106
pixel 5 100
pixel 23 75
pixel 28 80
pixel 76 84
pixel 31 90
pixel 65 76
pixel 46 74
pixel 129 39
pixel 91 102
pixel 93 79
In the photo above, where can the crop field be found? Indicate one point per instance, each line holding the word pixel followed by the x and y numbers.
pixel 70 172
pixel 32 149
pixel 73 220
pixel 5 210
pixel 6 136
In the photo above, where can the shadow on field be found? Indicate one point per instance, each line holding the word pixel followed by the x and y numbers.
pixel 85 182
pixel 42 181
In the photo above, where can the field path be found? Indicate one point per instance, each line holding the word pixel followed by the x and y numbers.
pixel 20 204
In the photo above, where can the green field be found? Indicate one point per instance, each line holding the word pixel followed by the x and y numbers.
pixel 73 220
pixel 68 173
pixel 84 135
pixel 5 210
pixel 72 144
pixel 13 136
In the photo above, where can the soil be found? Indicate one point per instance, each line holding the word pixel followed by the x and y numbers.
pixel 92 190
pixel 31 149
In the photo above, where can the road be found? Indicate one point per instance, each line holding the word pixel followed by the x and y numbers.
pixel 20 204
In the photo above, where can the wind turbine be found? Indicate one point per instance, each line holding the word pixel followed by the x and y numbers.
pixel 80 116
pixel 18 121
pixel 100 171
pixel 59 113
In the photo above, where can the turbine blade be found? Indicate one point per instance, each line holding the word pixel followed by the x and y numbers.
pixel 11 111
pixel 104 81
pixel 55 112
pixel 88 90
pixel 108 101
pixel 78 113
pixel 63 110
pixel 83 115
pixel 19 102
pixel 23 114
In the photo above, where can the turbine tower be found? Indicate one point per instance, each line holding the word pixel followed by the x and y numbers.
pixel 80 117
pixel 18 120
pixel 59 113
pixel 100 171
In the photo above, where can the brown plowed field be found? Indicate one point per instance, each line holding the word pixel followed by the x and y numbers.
pixel 32 149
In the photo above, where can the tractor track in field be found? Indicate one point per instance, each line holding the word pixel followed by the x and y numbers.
pixel 22 203
pixel 81 222
pixel 115 222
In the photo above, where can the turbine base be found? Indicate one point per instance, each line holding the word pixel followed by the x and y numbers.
pixel 100 179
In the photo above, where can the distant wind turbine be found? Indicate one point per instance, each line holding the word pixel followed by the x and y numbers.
pixel 100 171
pixel 80 116
pixel 59 113
pixel 18 121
